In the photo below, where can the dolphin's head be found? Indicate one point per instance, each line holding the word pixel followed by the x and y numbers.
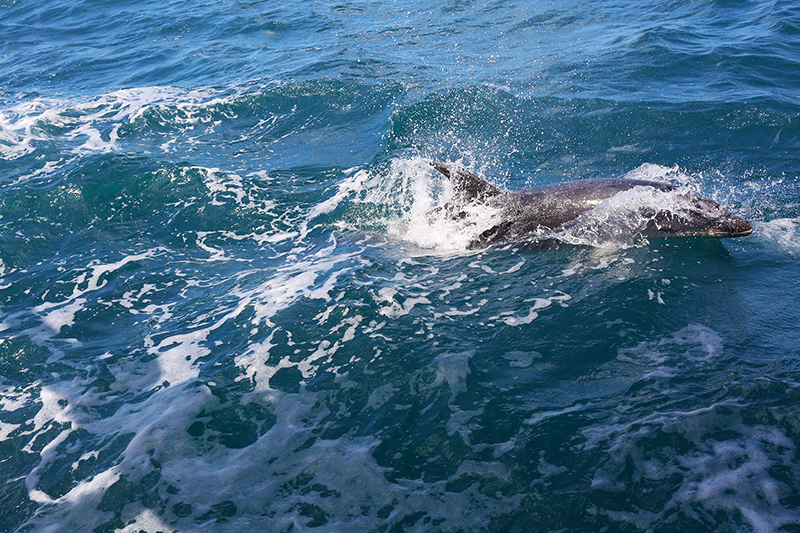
pixel 693 215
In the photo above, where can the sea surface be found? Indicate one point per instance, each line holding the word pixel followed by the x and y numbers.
pixel 227 303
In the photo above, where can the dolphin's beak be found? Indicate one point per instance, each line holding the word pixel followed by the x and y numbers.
pixel 732 226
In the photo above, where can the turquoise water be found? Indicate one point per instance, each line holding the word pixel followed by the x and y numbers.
pixel 225 306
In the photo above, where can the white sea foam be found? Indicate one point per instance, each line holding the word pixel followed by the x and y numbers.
pixel 395 309
pixel 344 469
pixel 26 123
pixel 785 232
pixel 545 415
pixel 13 399
pixel 345 189
pixel 19 127
pixel 521 359
pixel 521 320
pixel 293 281
pixel 453 369
pixel 416 194
pixel 695 342
pixel 728 456
pixel 94 125
pixel 533 312
pixel 653 172
pixel 54 316
pixel 719 475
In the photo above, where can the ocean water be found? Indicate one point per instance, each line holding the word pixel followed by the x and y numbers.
pixel 226 307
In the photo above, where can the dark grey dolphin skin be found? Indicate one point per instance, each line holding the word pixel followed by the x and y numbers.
pixel 547 208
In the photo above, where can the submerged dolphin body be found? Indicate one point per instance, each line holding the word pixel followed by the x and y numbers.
pixel 555 206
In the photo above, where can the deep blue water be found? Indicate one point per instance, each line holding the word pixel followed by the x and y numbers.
pixel 225 306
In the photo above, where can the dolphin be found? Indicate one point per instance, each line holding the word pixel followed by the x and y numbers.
pixel 538 210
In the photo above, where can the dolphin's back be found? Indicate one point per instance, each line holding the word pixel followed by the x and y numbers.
pixel 556 204
pixel 602 188
pixel 470 187
pixel 551 206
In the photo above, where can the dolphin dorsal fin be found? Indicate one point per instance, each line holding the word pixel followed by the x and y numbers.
pixel 466 184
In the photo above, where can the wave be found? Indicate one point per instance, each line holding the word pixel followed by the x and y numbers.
pixel 269 124
pixel 784 232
